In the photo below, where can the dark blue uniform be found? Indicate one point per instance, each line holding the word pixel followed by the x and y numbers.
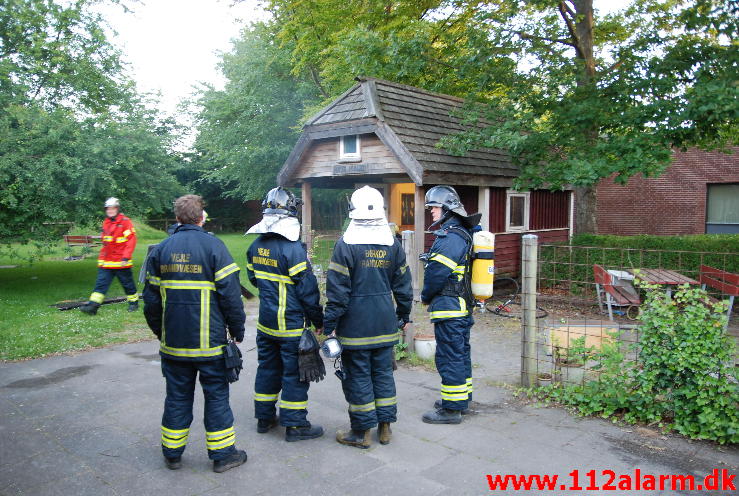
pixel 288 301
pixel 192 296
pixel 445 268
pixel 361 283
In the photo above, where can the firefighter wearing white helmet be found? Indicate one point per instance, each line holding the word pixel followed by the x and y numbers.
pixel 367 272
pixel 119 241
pixel 447 291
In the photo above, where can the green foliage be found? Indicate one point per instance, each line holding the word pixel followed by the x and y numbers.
pixel 574 354
pixel 682 379
pixel 401 350
pixel 717 243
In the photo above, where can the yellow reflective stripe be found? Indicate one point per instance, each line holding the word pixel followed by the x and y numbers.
pixel 226 271
pixel 183 284
pixel 337 267
pixel 469 385
pixel 265 397
pixel 219 434
pixel 386 401
pixel 280 333
pixel 438 257
pixel 167 443
pixel 367 407
pixel 455 396
pixel 153 280
pixel 163 294
pixel 270 276
pixel 122 239
pixel 191 352
pixel 454 389
pixel 97 297
pixel 385 338
pixel 203 317
pixel 107 238
pixel 249 266
pixel 281 305
pixel 293 405
pixel 111 265
pixel 296 269
pixel 133 297
pixel 447 314
pixel 126 232
pixel 175 432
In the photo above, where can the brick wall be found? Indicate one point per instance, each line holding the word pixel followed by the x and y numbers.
pixel 673 203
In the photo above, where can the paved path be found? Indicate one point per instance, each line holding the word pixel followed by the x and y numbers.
pixel 89 424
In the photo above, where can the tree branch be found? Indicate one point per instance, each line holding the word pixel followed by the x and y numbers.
pixel 563 10
pixel 527 36
pixel 317 81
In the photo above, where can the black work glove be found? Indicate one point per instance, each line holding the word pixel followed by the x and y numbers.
pixel 311 367
pixel 234 363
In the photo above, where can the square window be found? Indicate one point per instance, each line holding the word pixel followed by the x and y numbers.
pixel 349 147
pixel 517 211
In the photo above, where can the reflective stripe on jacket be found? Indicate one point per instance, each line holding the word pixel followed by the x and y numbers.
pixel 360 285
pixel 119 241
pixel 192 295
pixel 288 290
pixel 446 262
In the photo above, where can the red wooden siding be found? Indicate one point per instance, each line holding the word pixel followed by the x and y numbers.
pixel 497 210
pixel 549 209
pixel 508 248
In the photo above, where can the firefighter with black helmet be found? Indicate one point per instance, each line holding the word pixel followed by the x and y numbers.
pixel 115 258
pixel 192 302
pixel 367 272
pixel 277 264
pixel 447 291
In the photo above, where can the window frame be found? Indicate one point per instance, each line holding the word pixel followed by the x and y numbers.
pixel 526 195
pixel 352 157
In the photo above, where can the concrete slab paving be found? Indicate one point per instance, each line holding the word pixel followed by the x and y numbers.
pixel 88 423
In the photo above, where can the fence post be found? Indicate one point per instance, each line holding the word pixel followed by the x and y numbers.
pixel 529 254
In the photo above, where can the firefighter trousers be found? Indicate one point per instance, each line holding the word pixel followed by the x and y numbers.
pixel 105 278
pixel 277 375
pixel 369 387
pixel 454 362
pixel 180 375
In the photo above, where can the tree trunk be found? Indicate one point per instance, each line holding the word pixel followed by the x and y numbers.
pixel 586 210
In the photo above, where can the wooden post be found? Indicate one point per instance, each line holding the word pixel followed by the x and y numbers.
pixel 529 254
pixel 419 217
pixel 483 206
pixel 307 234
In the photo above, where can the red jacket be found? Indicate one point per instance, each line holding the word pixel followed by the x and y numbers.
pixel 119 241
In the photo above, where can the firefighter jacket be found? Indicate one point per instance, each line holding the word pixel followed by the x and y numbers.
pixel 445 269
pixel 119 241
pixel 361 283
pixel 288 291
pixel 192 295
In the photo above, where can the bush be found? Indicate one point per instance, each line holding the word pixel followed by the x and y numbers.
pixel 682 378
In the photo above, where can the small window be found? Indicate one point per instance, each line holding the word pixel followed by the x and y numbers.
pixel 407 209
pixel 517 211
pixel 349 147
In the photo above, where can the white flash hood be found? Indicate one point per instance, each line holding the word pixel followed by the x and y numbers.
pixel 284 225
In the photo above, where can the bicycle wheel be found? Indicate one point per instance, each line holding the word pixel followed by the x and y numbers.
pixel 505 287
pixel 513 310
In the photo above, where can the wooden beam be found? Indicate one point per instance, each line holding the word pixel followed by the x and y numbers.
pixel 406 158
pixel 372 102
pixel 286 172
pixel 420 237
pixel 307 234
pixel 364 126
pixel 483 206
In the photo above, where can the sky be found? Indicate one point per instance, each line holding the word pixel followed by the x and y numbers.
pixel 173 45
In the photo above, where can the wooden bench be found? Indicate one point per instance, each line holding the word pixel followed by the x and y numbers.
pixel 725 282
pixel 85 241
pixel 620 293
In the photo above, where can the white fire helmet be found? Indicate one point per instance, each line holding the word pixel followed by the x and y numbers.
pixel 366 203
pixel 112 202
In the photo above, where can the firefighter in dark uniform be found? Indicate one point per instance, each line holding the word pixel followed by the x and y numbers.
pixel 277 264
pixel 447 291
pixel 192 298
pixel 367 269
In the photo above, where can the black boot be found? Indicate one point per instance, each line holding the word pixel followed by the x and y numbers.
pixel 232 461
pixel 133 306
pixel 173 463
pixel 358 439
pixel 303 432
pixel 264 425
pixel 90 308
pixel 442 416
pixel 437 404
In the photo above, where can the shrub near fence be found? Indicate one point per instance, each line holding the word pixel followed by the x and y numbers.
pixel 568 269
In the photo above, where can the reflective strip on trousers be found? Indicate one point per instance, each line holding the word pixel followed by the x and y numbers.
pixel 97 297
pixel 386 401
pixel 174 439
pixel 367 407
pixel 132 298
pixel 220 439
pixel 265 397
pixel 294 405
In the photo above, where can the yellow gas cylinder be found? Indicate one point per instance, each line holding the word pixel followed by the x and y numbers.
pixel 483 264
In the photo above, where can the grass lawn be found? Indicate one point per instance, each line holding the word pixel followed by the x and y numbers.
pixel 30 328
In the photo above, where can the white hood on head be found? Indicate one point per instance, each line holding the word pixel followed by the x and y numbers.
pixel 369 232
pixel 284 225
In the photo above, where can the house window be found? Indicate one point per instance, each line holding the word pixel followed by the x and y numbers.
pixel 722 209
pixel 407 209
pixel 349 147
pixel 517 211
